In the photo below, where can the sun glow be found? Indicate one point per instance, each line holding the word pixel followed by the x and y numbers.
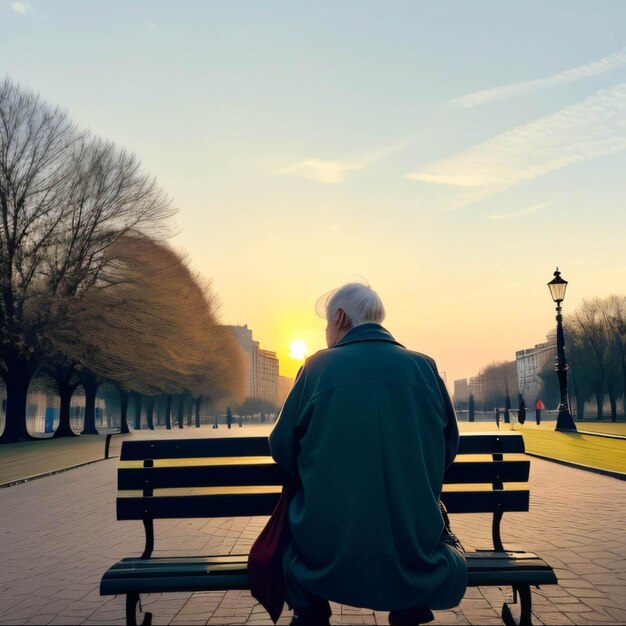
pixel 298 349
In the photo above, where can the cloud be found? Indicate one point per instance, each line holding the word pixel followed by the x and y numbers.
pixel 606 64
pixel 328 172
pixel 528 211
pixel 591 128
pixel 333 172
pixel 20 7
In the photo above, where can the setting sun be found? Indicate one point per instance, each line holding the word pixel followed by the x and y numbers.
pixel 298 349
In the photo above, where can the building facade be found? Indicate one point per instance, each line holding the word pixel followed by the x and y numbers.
pixel 260 367
pixel 267 376
pixel 461 390
pixel 530 362
pixel 250 349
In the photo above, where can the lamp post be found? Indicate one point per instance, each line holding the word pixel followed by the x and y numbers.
pixel 564 420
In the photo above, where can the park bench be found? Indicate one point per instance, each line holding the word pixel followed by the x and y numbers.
pixel 238 478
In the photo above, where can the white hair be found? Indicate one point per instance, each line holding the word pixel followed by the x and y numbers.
pixel 360 302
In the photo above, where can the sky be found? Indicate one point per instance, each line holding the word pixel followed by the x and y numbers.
pixel 451 153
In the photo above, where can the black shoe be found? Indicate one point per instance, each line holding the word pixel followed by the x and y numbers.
pixel 411 617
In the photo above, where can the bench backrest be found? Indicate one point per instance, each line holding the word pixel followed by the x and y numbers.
pixel 235 476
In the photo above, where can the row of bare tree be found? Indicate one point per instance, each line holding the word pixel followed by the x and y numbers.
pixel 88 290
pixel 595 346
pixel 499 382
pixel 596 352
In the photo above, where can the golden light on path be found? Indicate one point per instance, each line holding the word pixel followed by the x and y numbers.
pixel 298 349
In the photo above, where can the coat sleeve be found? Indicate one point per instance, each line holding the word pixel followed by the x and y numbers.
pixel 285 437
pixel 451 428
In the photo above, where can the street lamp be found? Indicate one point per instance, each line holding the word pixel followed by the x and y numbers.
pixel 564 420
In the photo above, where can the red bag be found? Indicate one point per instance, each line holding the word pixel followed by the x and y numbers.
pixel 265 559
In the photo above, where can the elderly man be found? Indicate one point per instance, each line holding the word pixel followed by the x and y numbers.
pixel 367 433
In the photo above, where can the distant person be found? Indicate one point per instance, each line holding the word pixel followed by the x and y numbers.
pixel 521 411
pixel 365 436
pixel 229 417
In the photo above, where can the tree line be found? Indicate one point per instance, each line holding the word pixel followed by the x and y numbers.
pixel 89 290
pixel 595 345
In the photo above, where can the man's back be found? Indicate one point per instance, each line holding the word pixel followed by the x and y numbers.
pixel 367 434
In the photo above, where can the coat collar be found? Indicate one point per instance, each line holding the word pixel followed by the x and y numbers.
pixel 367 332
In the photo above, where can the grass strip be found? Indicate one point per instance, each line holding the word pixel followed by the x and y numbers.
pixel 600 452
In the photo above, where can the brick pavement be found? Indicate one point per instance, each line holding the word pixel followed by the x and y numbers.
pixel 59 535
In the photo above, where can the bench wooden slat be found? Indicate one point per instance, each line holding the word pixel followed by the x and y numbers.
pixel 234 561
pixel 198 476
pixel 141 584
pixel 194 448
pixel 470 443
pixel 219 505
pixel 467 472
pixel 251 504
pixel 486 501
pixel 491 443
pixel 461 472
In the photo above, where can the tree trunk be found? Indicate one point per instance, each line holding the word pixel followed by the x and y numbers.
pixel 168 411
pixel 613 401
pixel 198 400
pixel 189 407
pixel 159 410
pixel 123 411
pixel 16 379
pixel 599 402
pixel 181 410
pixel 580 407
pixel 66 391
pixel 150 411
pixel 623 382
pixel 90 385
pixel 137 411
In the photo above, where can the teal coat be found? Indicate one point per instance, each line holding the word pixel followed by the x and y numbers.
pixel 367 432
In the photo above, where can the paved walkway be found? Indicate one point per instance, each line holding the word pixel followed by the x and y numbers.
pixel 22 461
pixel 59 534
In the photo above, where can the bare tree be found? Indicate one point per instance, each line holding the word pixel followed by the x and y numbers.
pixel 587 324
pixel 618 324
pixel 65 198
pixel 90 382
pixel 499 380
pixel 597 357
pixel 582 375
pixel 150 325
pixel 612 312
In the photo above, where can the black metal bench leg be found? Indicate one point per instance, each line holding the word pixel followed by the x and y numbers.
pixel 132 600
pixel 525 607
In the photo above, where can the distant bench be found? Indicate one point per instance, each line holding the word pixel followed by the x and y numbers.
pixel 244 481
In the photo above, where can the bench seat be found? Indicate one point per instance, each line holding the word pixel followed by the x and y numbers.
pixel 214 573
